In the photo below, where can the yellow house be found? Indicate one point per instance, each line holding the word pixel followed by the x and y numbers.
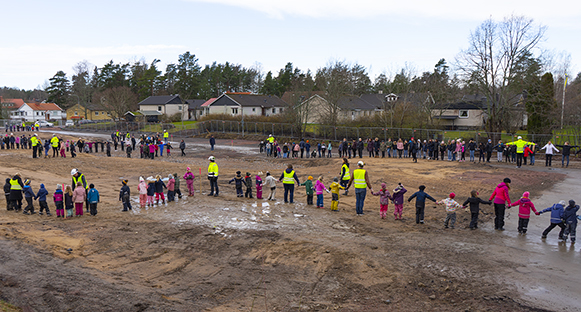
pixel 92 111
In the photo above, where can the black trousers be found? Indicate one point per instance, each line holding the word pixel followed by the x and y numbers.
pixel 177 190
pixel 8 203
pixel 34 151
pixel 499 216
pixel 289 191
pixel 239 192
pixel 309 199
pixel 213 185
pixel 488 155
pixel 548 159
pixel 43 206
pixel 29 205
pixel 552 226
pixel 523 225
pixel 248 192
pixel 519 159
pixel 420 208
pixel 474 220
pixel 93 208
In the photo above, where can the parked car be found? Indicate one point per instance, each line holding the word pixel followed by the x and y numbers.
pixel 69 123
pixel 44 123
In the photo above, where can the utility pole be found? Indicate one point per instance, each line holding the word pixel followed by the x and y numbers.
pixel 563 104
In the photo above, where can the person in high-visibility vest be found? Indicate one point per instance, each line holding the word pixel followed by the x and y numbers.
pixel 360 178
pixel 345 175
pixel 36 126
pixel 79 177
pixel 34 143
pixel 54 142
pixel 520 149
pixel 165 136
pixel 288 178
pixel 15 197
pixel 213 176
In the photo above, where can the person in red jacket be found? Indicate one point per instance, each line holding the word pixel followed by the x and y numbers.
pixel 525 205
pixel 527 152
pixel 501 198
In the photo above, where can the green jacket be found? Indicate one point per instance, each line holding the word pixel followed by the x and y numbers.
pixel 308 186
pixel 177 183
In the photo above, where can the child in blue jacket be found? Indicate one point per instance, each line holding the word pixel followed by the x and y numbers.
pixel 557 211
pixel 28 195
pixel 93 199
pixel 41 196
pixel 570 219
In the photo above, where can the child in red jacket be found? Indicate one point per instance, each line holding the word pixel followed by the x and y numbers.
pixel 525 205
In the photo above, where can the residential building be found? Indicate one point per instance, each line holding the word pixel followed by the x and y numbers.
pixel 195 109
pixel 88 112
pixel 35 111
pixel 168 105
pixel 10 105
pixel 247 104
pixel 467 113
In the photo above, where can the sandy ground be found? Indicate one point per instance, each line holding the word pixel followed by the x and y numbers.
pixel 230 254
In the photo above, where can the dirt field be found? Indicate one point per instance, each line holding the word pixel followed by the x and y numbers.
pixel 228 254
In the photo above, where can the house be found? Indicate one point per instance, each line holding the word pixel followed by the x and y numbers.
pixel 195 109
pixel 37 111
pixel 168 105
pixel 247 104
pixel 88 112
pixel 10 105
pixel 467 113
pixel 352 107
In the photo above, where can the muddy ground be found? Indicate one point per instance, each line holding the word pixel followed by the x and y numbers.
pixel 229 254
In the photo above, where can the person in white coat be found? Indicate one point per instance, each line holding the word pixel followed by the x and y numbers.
pixel 549 148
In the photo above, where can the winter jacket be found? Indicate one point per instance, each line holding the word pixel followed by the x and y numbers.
pixel 27 190
pixel 159 186
pixel 335 187
pixel 142 187
pixel 384 196
pixel 320 187
pixel 557 211
pixel 270 182
pixel 93 196
pixel 68 201
pixel 125 192
pixel 566 149
pixel 525 206
pixel 475 203
pixel 150 188
pixel 500 194
pixel 58 196
pixel 248 181
pixel 182 145
pixel 549 149
pixel 289 170
pixel 79 195
pixel 308 186
pixel 258 183
pixel 171 184
pixel 570 214
pixel 398 196
pixel 451 205
pixel 7 188
pixel 42 192
pixel 420 197
pixel 238 181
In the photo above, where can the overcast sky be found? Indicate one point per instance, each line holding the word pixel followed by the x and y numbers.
pixel 40 38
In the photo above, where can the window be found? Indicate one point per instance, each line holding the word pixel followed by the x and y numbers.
pixel 274 110
pixel 76 113
pixel 179 107
pixel 235 111
pixel 96 113
pixel 280 110
pixel 159 108
pixel 254 109
pixel 463 114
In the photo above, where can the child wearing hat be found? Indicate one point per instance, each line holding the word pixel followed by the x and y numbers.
pixel 398 200
pixel 41 196
pixel 525 205
pixel 570 219
pixel 451 206
pixel 93 199
pixel 248 182
pixel 58 198
pixel 309 189
pixel 150 190
pixel 319 188
pixel 142 188
pixel 238 183
pixel 420 197
pixel 177 190
pixel 474 202
pixel 335 187
pixel 159 186
pixel 258 186
pixel 69 203
pixel 384 198
pixel 125 194
pixel 28 195
pixel 189 177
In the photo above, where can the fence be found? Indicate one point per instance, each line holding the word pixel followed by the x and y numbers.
pixel 288 131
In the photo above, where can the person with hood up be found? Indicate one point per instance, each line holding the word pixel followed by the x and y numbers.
pixel 171 184
pixel 248 181
pixel 125 195
pixel 258 186
pixel 570 220
pixel 41 196
pixel 159 186
pixel 398 201
pixel 189 177
pixel 142 188
pixel 58 198
pixel 384 198
pixel 421 197
pixel 288 178
pixel 150 190
pixel 28 195
pixel 475 202
pixel 238 183
pixel 557 211
pixel 525 205
pixel 93 199
pixel 7 194
pixel 501 198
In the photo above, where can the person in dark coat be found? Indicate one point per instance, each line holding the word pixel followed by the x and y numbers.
pixel 570 219
pixel 248 182
pixel 420 197
pixel 475 202
pixel 7 194
pixel 183 147
pixel 212 142
pixel 16 187
pixel 125 195
pixel 238 181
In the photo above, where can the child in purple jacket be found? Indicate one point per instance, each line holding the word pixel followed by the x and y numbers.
pixel 384 198
pixel 398 200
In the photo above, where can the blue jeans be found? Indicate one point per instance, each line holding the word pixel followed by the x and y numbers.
pixel 389 152
pixel 449 155
pixel 320 200
pixel 360 194
pixel 532 159
pixel 211 147
pixel 563 160
pixel 471 155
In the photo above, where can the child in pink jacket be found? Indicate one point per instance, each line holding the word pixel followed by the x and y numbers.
pixel 525 205
pixel 384 198
pixel 319 188
pixel 79 197
pixel 142 187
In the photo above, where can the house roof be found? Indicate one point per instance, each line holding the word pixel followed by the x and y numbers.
pixel 134 114
pixel 352 102
pixel 249 100
pixel 162 100
pixel 194 104
pixel 16 103
pixel 471 101
pixel 208 102
pixel 44 106
pixel 291 97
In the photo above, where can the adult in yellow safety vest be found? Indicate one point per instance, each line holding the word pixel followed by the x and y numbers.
pixel 36 126
pixel 34 143
pixel 79 177
pixel 360 178
pixel 213 176
pixel 288 178
pixel 15 197
pixel 520 149
pixel 165 136
pixel 345 175
pixel 270 139
pixel 54 142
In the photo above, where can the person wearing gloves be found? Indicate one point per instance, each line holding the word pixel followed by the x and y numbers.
pixel 557 211
pixel 549 148
pixel 501 198
pixel 41 196
pixel 525 205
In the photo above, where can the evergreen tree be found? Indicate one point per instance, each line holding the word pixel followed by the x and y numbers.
pixel 540 103
pixel 59 88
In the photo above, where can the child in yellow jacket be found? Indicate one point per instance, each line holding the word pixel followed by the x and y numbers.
pixel 335 187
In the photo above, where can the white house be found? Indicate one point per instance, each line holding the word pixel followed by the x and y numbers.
pixel 168 105
pixel 247 104
pixel 38 111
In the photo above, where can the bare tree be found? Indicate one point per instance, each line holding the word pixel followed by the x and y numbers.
pixel 118 100
pixel 494 52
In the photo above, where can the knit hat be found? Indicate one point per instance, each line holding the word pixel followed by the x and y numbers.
pixel 59 187
pixel 383 185
pixel 141 179
pixel 526 194
pixel 562 203
pixel 310 178
pixel 571 203
pixel 335 179
pixel 41 185
pixel 506 180
pixel 124 181
pixel 188 169
pixel 422 187
pixel 452 195
pixel 248 174
pixel 27 182
pixel 238 172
